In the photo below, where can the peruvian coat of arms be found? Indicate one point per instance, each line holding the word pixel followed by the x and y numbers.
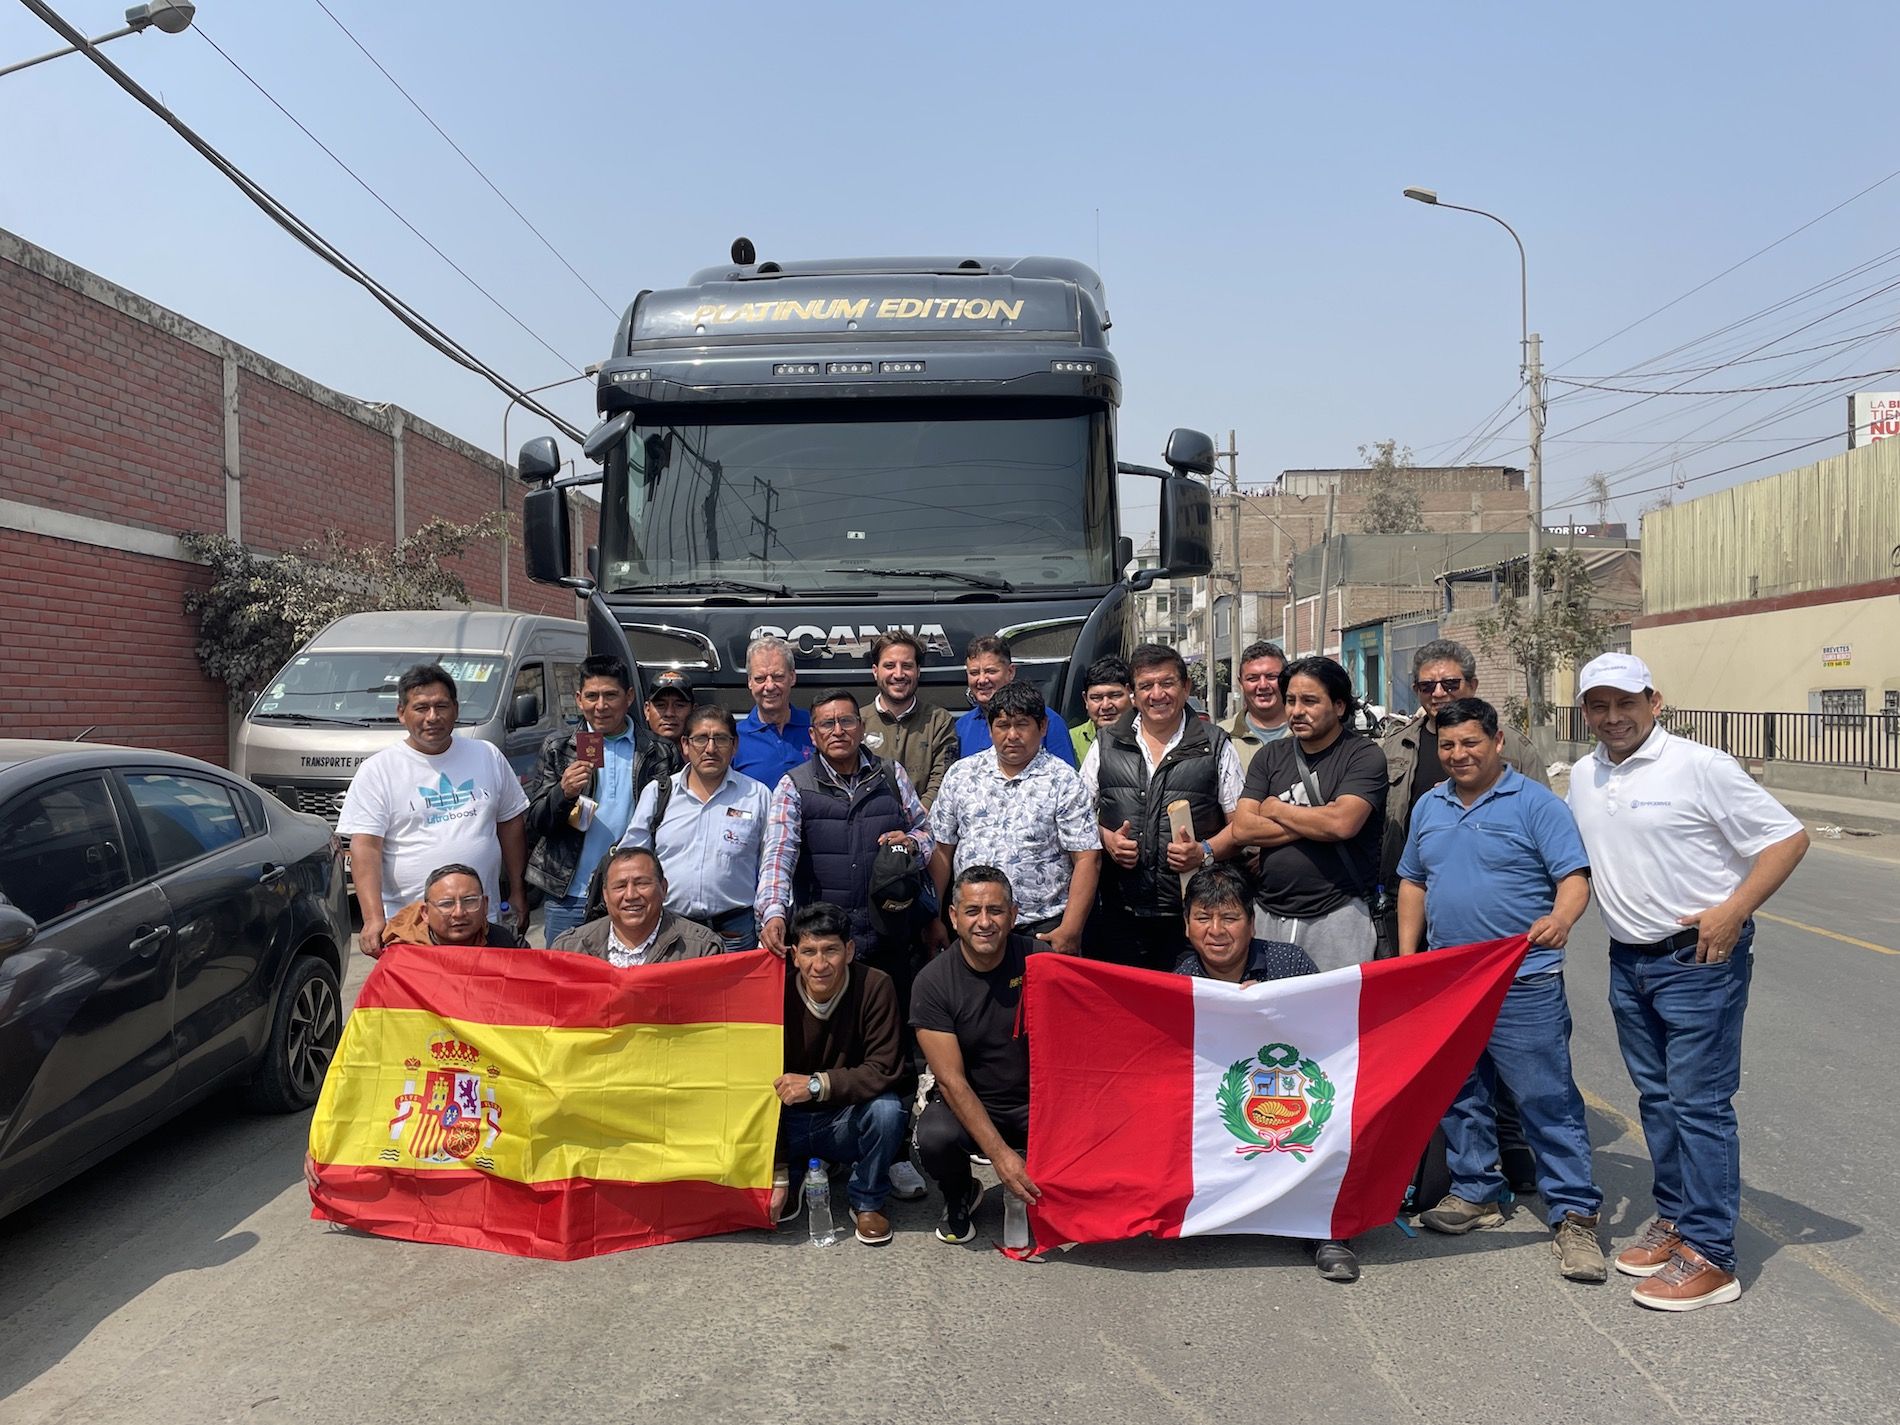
pixel 1276 1102
pixel 452 1112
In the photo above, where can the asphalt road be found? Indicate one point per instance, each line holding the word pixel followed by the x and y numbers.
pixel 183 1281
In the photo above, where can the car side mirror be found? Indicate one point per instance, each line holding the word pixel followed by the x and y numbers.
pixel 17 929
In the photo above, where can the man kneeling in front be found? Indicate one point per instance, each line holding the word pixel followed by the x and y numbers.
pixel 638 929
pixel 453 911
pixel 840 1065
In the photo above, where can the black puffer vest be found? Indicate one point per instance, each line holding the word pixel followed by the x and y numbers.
pixel 838 835
pixel 1125 792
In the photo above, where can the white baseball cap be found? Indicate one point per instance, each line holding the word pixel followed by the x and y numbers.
pixel 1624 671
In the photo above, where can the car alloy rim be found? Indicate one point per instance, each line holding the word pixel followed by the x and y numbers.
pixel 313 1035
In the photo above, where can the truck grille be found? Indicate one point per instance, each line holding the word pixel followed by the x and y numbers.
pixel 325 802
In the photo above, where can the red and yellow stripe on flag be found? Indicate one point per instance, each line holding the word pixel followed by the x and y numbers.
pixel 550 1105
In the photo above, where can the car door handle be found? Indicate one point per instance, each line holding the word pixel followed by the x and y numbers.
pixel 270 873
pixel 149 940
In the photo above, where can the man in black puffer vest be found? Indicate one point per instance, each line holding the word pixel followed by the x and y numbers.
pixel 1157 753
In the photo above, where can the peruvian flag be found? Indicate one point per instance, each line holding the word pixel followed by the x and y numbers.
pixel 1298 1107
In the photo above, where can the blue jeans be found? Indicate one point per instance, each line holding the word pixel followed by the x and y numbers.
pixel 869 1136
pixel 1679 1024
pixel 1529 1054
pixel 560 914
pixel 736 929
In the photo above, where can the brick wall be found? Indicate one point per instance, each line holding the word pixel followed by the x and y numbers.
pixel 114 438
pixel 93 636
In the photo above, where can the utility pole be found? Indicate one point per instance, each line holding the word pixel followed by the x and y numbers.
pixel 1325 561
pixel 1534 478
pixel 1235 640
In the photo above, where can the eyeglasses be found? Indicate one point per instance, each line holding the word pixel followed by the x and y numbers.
pixel 1449 685
pixel 706 741
pixel 450 906
pixel 837 724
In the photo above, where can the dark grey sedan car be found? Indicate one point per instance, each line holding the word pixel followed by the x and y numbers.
pixel 166 930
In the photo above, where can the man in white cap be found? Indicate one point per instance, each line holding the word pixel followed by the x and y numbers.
pixel 1684 849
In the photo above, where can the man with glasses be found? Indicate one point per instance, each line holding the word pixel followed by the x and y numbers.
pixel 707 824
pixel 453 911
pixel 829 818
pixel 1443 672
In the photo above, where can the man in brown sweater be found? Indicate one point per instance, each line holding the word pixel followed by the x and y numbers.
pixel 840 1064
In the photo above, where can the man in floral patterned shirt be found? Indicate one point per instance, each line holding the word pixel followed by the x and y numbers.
pixel 1017 807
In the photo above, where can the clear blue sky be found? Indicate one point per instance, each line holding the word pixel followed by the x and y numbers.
pixel 1245 161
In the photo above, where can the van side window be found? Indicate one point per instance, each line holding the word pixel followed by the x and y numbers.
pixel 567 687
pixel 61 849
pixel 184 817
pixel 530 680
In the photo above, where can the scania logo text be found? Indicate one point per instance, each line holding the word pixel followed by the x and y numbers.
pixel 843 640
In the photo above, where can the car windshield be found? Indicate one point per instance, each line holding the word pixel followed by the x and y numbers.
pixel 361 687
pixel 965 494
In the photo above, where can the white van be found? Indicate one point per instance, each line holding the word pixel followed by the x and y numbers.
pixel 334 703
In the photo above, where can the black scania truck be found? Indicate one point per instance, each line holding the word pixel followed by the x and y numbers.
pixel 828 450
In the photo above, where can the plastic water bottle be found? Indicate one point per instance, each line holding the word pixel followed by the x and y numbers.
pixel 824 1232
pixel 1015 1222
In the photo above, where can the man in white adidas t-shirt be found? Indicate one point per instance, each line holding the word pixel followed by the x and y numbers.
pixel 431 799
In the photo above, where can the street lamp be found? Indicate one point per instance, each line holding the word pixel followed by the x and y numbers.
pixel 1532 370
pixel 507 464
pixel 169 16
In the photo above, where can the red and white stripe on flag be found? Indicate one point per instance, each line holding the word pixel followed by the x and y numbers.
pixel 1176 1106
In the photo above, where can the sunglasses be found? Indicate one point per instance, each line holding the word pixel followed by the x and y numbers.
pixel 1449 685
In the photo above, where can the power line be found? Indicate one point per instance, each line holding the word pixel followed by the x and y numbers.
pixel 1730 390
pixel 476 168
pixel 1706 474
pixel 1759 252
pixel 387 207
pixel 297 227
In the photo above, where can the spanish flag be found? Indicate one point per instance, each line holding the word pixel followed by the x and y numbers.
pixel 550 1105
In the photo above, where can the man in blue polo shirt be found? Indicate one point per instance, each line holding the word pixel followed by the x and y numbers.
pixel 988 667
pixel 1491 854
pixel 775 736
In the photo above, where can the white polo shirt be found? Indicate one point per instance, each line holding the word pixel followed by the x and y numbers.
pixel 1671 829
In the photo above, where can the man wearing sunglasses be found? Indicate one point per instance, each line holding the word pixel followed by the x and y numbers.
pixel 707 825
pixel 1443 671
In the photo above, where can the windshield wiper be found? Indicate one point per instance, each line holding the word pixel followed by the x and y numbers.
pixel 743 586
pixel 980 581
pixel 306 719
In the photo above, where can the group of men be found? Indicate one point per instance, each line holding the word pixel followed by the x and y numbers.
pixel 906 862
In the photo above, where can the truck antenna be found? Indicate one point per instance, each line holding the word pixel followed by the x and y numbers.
pixel 743 252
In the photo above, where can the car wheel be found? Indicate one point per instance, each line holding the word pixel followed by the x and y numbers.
pixel 303 1036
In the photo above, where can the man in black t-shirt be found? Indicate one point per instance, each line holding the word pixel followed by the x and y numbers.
pixel 1313 803
pixel 964 1007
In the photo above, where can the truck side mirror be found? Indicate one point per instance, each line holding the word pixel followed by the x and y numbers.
pixel 1189 452
pixel 1187 527
pixel 544 533
pixel 539 461
pixel 526 711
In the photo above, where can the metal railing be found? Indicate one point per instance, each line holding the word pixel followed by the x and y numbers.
pixel 1870 740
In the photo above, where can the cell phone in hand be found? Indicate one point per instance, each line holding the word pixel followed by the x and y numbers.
pixel 590 747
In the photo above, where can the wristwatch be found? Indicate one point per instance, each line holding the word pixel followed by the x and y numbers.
pixel 1207 850
pixel 816 1085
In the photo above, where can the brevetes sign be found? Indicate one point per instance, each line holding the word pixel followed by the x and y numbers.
pixel 1837 655
pixel 1872 416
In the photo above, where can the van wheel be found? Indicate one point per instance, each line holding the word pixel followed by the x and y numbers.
pixel 303 1037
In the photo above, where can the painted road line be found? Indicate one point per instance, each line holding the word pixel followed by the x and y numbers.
pixel 1807 1253
pixel 1830 934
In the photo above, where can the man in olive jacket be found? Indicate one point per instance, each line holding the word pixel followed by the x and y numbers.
pixel 638 929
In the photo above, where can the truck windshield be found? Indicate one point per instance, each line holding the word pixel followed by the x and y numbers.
pixel 361 687
pixel 823 496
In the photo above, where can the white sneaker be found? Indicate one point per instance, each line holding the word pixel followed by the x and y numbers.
pixel 907 1184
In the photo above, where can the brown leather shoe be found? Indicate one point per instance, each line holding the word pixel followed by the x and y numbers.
pixel 874 1228
pixel 1646 1256
pixel 1687 1280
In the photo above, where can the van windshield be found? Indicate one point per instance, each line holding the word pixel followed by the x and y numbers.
pixel 361 687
